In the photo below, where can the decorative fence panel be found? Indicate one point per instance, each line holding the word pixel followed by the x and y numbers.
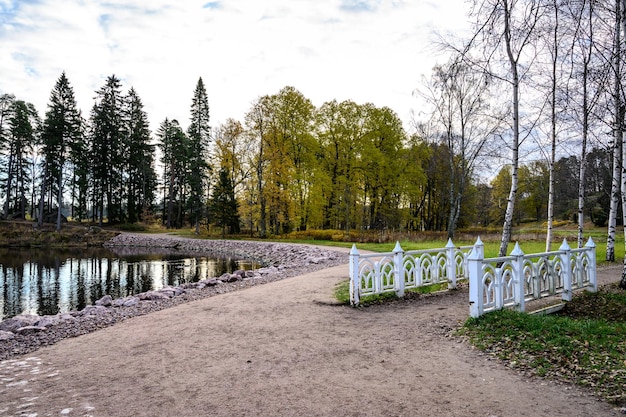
pixel 399 270
pixel 513 280
pixel 495 283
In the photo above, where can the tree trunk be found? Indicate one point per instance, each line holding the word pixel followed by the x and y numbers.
pixel 510 206
pixel 42 196
pixel 59 197
pixel 617 139
pixel 555 54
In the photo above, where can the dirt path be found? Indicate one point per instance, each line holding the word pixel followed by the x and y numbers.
pixel 283 349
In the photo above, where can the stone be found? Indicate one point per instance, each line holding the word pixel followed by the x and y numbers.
pixel 6 335
pixel 95 311
pixel 22 320
pixel 30 329
pixel 131 302
pixel 152 295
pixel 105 301
pixel 233 278
pixel 47 321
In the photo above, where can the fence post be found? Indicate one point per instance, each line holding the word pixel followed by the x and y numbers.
pixel 518 273
pixel 355 282
pixel 566 261
pixel 398 269
pixel 591 246
pixel 474 265
pixel 451 264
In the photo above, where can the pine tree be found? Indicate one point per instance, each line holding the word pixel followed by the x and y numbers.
pixel 199 134
pixel 223 206
pixel 62 130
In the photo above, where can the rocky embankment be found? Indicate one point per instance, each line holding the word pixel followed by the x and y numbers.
pixel 26 333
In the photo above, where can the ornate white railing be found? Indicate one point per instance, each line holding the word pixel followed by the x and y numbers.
pixel 495 283
pixel 511 281
pixel 399 270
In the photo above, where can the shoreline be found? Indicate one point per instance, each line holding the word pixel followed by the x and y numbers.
pixel 24 334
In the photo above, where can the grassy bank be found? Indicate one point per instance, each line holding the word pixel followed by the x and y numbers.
pixel 16 234
pixel 583 343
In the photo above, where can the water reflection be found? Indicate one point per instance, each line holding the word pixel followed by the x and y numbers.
pixel 49 281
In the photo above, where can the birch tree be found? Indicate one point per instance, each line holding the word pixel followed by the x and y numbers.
pixel 505 33
pixel 460 97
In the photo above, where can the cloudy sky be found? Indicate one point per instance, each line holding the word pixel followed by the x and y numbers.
pixel 364 50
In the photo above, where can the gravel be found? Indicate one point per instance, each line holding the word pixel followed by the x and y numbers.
pixel 25 334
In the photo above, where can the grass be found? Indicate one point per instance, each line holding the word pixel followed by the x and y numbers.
pixel 584 343
pixel 342 293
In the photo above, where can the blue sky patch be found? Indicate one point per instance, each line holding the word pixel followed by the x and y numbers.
pixel 212 5
pixel 359 5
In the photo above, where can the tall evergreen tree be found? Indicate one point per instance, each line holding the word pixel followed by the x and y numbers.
pixel 223 206
pixel 173 144
pixel 62 131
pixel 139 174
pixel 107 139
pixel 199 135
pixel 23 124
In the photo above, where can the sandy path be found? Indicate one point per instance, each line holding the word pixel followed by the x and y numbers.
pixel 283 349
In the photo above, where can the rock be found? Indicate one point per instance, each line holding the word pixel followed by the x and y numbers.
pixel 212 282
pixel 22 320
pixel 152 295
pixel 47 321
pixel 105 301
pixel 95 311
pixel 131 302
pixel 6 335
pixel 30 329
pixel 233 278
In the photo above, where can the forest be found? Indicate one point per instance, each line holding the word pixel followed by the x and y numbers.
pixel 523 123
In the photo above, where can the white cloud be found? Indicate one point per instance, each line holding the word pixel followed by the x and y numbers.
pixel 363 50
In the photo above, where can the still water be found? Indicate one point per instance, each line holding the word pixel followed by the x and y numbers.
pixel 53 281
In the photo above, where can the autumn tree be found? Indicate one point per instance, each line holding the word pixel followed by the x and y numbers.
pixel 504 37
pixel 463 120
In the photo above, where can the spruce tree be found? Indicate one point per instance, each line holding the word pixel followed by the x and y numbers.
pixel 139 173
pixel 223 206
pixel 199 134
pixel 23 124
pixel 62 131
pixel 174 147
pixel 107 135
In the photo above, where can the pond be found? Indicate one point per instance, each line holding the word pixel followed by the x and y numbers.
pixel 57 281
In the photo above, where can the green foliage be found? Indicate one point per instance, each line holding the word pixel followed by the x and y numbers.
pixel 223 206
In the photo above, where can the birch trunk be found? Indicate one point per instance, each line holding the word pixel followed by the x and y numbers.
pixel 510 206
pixel 616 182
pixel 621 18
pixel 555 55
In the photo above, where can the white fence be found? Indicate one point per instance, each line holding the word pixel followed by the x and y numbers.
pixel 511 281
pixel 399 270
pixel 495 283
